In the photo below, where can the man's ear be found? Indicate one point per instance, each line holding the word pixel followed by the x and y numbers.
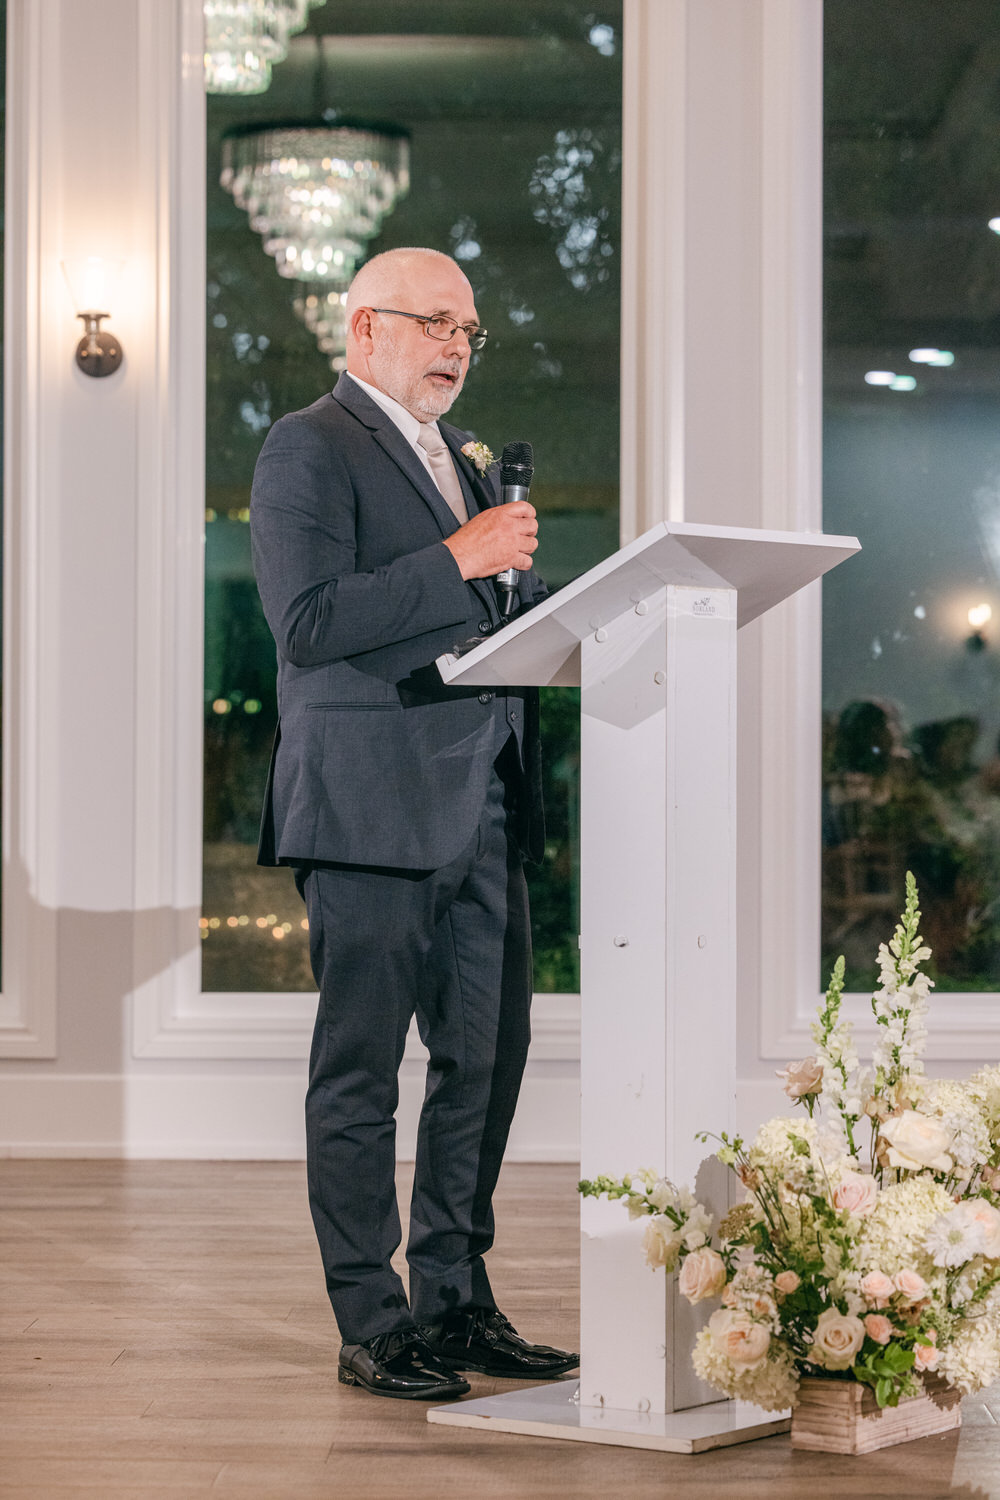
pixel 362 330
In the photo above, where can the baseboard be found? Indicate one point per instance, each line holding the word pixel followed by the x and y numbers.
pixel 234 1116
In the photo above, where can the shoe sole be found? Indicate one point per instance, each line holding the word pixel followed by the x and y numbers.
pixel 438 1393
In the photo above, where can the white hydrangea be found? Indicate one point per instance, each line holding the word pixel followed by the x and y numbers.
pixel 772 1385
pixel 985 1085
pixel 971 1360
pixel 752 1289
pixel 957 1106
pixel 894 1234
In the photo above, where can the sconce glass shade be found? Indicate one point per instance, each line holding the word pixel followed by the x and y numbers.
pixel 91 282
pixel 316 193
pixel 244 38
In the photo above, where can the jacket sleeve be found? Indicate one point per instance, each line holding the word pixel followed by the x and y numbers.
pixel 303 514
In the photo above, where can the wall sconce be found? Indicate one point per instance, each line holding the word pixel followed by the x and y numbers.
pixel 89 280
pixel 979 615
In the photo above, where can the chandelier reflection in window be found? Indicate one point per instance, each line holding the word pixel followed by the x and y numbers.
pixel 316 194
pixel 323 309
pixel 244 38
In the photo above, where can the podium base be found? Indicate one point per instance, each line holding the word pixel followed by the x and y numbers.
pixel 553 1411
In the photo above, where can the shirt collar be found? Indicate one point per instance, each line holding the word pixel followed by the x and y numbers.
pixel 408 424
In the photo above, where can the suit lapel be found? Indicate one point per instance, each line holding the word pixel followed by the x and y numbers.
pixel 388 436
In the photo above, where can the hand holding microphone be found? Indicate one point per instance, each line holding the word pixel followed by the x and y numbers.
pixel 499 541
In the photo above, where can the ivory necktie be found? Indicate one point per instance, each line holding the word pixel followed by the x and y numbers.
pixel 443 469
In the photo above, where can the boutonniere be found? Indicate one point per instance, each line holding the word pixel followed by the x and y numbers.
pixel 479 456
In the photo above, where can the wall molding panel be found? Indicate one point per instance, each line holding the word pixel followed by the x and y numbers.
pixel 31 605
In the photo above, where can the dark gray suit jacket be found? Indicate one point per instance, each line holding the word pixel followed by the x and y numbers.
pixel 376 761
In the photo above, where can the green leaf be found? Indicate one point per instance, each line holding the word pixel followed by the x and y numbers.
pixel 897 1359
pixel 886 1393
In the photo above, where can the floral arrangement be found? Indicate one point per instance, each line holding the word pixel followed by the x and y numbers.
pixel 868 1246
pixel 479 456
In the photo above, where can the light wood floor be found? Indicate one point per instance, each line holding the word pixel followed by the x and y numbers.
pixel 165 1334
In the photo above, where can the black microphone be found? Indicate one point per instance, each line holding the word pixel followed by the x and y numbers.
pixel 516 470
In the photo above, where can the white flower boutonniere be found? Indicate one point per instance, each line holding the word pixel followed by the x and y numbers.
pixel 478 455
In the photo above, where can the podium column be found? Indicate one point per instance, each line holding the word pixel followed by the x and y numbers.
pixel 658 965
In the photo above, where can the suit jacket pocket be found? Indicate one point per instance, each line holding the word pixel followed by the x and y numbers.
pixel 355 707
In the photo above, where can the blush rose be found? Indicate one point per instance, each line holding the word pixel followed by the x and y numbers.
pixel 802 1078
pixel 878 1327
pixel 856 1193
pixel 910 1285
pixel 876 1288
pixel 742 1341
pixel 703 1275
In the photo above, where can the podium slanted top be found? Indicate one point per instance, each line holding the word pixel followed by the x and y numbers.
pixel 542 647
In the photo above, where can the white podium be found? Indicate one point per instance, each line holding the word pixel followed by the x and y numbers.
pixel 650 637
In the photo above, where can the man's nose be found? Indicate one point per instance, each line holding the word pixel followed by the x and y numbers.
pixel 460 342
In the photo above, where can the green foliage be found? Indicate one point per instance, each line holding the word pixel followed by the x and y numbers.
pixel 886 1368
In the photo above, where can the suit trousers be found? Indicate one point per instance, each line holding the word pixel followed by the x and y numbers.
pixel 453 946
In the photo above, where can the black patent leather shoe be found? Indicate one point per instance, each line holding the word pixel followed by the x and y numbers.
pixel 399 1364
pixel 483 1340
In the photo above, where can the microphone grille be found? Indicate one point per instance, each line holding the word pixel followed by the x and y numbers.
pixel 516 456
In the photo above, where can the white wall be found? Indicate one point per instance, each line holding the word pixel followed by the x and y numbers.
pixel 107 1045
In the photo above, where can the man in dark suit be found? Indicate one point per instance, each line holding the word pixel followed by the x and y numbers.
pixel 405 808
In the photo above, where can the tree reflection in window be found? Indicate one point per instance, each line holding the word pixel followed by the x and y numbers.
pixel 495 100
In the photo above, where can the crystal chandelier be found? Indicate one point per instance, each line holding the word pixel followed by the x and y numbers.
pixel 244 38
pixel 316 193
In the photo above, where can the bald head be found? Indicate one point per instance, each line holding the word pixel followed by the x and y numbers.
pixel 394 272
pixel 394 352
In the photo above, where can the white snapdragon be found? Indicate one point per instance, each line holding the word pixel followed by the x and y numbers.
pixel 900 1002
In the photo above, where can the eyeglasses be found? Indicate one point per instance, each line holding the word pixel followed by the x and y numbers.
pixel 440 328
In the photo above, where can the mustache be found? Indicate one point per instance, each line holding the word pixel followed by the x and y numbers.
pixel 447 367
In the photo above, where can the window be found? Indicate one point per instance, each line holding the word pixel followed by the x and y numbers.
pixel 912 466
pixel 514 120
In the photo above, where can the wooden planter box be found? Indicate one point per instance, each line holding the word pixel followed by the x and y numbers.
pixel 842 1416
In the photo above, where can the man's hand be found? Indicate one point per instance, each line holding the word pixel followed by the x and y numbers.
pixel 502 537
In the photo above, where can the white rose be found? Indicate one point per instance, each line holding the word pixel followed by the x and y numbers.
pixel 734 1335
pixel 703 1274
pixel 917 1141
pixel 837 1339
pixel 856 1193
